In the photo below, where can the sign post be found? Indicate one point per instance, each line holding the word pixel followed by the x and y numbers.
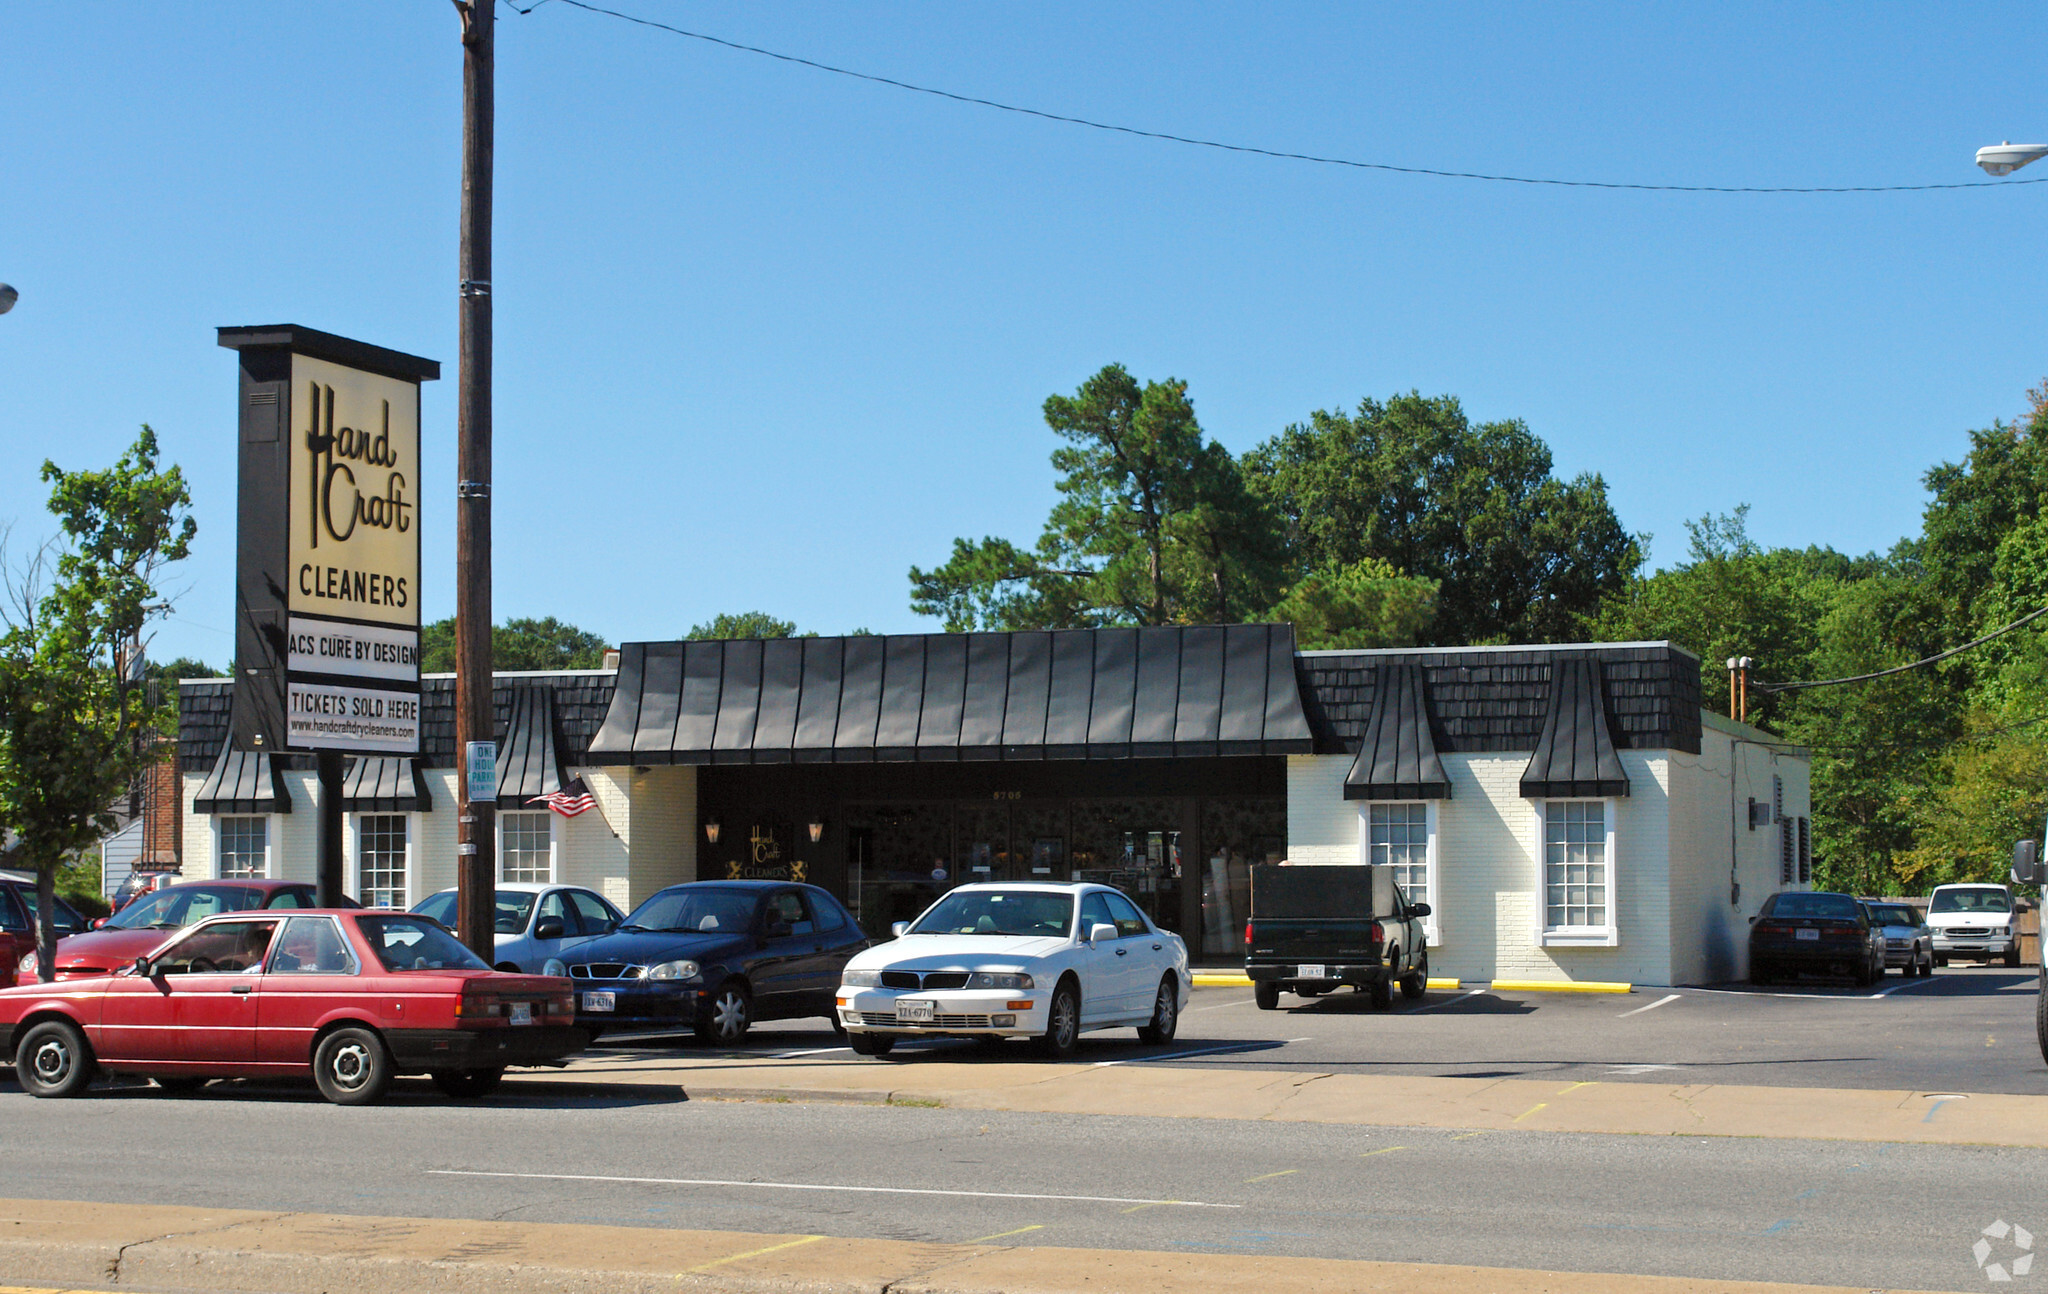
pixel 327 566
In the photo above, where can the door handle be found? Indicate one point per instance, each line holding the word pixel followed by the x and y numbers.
pixel 1157 947
pixel 1122 951
pixel 242 988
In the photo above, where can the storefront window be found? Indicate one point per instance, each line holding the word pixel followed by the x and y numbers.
pixel 244 847
pixel 1135 846
pixel 1236 833
pixel 381 847
pixel 526 847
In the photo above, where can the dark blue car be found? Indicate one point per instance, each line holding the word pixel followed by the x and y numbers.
pixel 717 956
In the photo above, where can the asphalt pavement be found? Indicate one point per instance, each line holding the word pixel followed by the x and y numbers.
pixel 1870 1215
pixel 1967 1029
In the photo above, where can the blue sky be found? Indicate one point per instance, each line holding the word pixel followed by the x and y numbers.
pixel 767 337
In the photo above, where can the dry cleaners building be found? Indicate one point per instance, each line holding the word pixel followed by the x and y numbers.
pixel 1568 811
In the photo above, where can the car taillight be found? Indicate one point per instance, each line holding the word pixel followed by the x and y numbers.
pixel 476 1006
pixel 1374 935
pixel 1247 934
pixel 1774 930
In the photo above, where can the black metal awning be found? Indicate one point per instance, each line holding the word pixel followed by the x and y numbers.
pixel 384 784
pixel 243 781
pixel 528 765
pixel 1575 756
pixel 1168 692
pixel 1397 757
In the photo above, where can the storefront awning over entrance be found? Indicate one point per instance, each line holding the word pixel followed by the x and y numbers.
pixel 1207 690
pixel 1397 757
pixel 528 766
pixel 242 781
pixel 1575 756
pixel 384 784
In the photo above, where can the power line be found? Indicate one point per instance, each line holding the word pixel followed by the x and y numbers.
pixel 1900 669
pixel 1279 154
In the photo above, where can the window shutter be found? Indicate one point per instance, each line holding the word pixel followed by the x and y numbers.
pixel 1805 852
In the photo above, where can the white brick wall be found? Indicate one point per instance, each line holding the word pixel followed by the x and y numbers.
pixel 587 849
pixel 664 827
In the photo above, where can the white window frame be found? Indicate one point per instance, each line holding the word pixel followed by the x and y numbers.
pixel 220 822
pixel 554 843
pixel 1431 931
pixel 355 850
pixel 1549 936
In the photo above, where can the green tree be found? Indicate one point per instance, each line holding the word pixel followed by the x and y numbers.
pixel 71 724
pixel 745 624
pixel 1365 604
pixel 1154 525
pixel 523 643
pixel 1517 554
pixel 170 671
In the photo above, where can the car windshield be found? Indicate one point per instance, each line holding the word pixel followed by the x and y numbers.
pixel 406 942
pixel 1815 905
pixel 184 905
pixel 998 912
pixel 513 905
pixel 68 920
pixel 1986 900
pixel 707 911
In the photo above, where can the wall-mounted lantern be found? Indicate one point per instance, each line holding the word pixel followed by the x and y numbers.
pixel 711 831
pixel 817 832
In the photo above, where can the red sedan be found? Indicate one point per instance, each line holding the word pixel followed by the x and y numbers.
pixel 139 927
pixel 351 997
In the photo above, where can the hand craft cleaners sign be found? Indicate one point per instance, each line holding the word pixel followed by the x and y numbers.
pixel 329 581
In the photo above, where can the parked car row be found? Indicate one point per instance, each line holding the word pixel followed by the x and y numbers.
pixel 1839 934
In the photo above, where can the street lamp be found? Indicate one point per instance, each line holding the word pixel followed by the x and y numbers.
pixel 2005 158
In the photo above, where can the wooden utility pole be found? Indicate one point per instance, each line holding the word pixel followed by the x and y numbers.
pixel 476 838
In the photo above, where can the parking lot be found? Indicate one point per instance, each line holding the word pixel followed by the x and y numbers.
pixel 1969 1028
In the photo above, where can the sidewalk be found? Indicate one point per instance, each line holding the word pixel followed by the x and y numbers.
pixel 98 1247
pixel 1157 1088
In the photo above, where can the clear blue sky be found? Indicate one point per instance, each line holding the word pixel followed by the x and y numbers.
pixel 767 337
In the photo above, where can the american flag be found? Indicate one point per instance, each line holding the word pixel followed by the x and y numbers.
pixel 571 800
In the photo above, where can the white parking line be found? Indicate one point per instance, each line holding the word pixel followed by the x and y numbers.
pixel 1440 1005
pixel 815 1051
pixel 817 1186
pixel 1220 1006
pixel 1669 997
pixel 1199 1051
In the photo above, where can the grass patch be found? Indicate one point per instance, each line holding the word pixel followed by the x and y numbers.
pixel 917 1102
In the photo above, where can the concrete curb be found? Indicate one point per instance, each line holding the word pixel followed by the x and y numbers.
pixel 1233 979
pixel 1559 986
pixel 136 1247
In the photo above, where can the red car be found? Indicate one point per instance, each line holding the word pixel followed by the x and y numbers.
pixel 139 927
pixel 351 997
pixel 18 923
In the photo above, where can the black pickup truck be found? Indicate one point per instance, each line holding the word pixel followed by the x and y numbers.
pixel 1316 926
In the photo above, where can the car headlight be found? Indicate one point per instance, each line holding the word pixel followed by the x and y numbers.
pixel 684 970
pixel 861 979
pixel 29 964
pixel 555 966
pixel 998 979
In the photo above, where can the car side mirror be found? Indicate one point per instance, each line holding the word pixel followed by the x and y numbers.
pixel 1101 931
pixel 144 968
pixel 897 929
pixel 548 928
pixel 2026 862
pixel 1419 909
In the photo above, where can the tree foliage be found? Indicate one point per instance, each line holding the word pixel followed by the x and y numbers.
pixel 522 643
pixel 745 624
pixel 1154 525
pixel 1365 604
pixel 1517 555
pixel 72 726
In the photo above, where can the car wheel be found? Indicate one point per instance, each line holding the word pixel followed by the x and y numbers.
pixel 1927 966
pixel 871 1044
pixel 1416 982
pixel 2012 955
pixel 1267 996
pixel 1941 961
pixel 1062 1036
pixel 467 1084
pixel 54 1059
pixel 723 1018
pixel 179 1084
pixel 1165 1014
pixel 2041 1014
pixel 351 1067
pixel 1382 991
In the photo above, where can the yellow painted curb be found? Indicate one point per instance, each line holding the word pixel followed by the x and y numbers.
pixel 1560 986
pixel 1445 985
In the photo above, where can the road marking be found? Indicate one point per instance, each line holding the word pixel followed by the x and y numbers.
pixel 1639 1068
pixel 815 1051
pixel 1142 1207
pixel 1221 1006
pixel 1463 1135
pixel 1669 997
pixel 1441 1005
pixel 818 1186
pixel 1199 1051
pixel 1591 1082
pixel 751 1253
pixel 1383 1150
pixel 1002 1234
pixel 1531 1110
pixel 1267 1177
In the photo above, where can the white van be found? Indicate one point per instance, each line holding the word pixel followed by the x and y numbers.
pixel 1974 921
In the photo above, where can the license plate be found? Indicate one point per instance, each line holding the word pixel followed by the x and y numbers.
pixel 1312 972
pixel 605 1001
pixel 522 1012
pixel 914 1012
pixel 1807 934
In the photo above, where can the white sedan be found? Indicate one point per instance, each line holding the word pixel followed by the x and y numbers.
pixel 995 961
